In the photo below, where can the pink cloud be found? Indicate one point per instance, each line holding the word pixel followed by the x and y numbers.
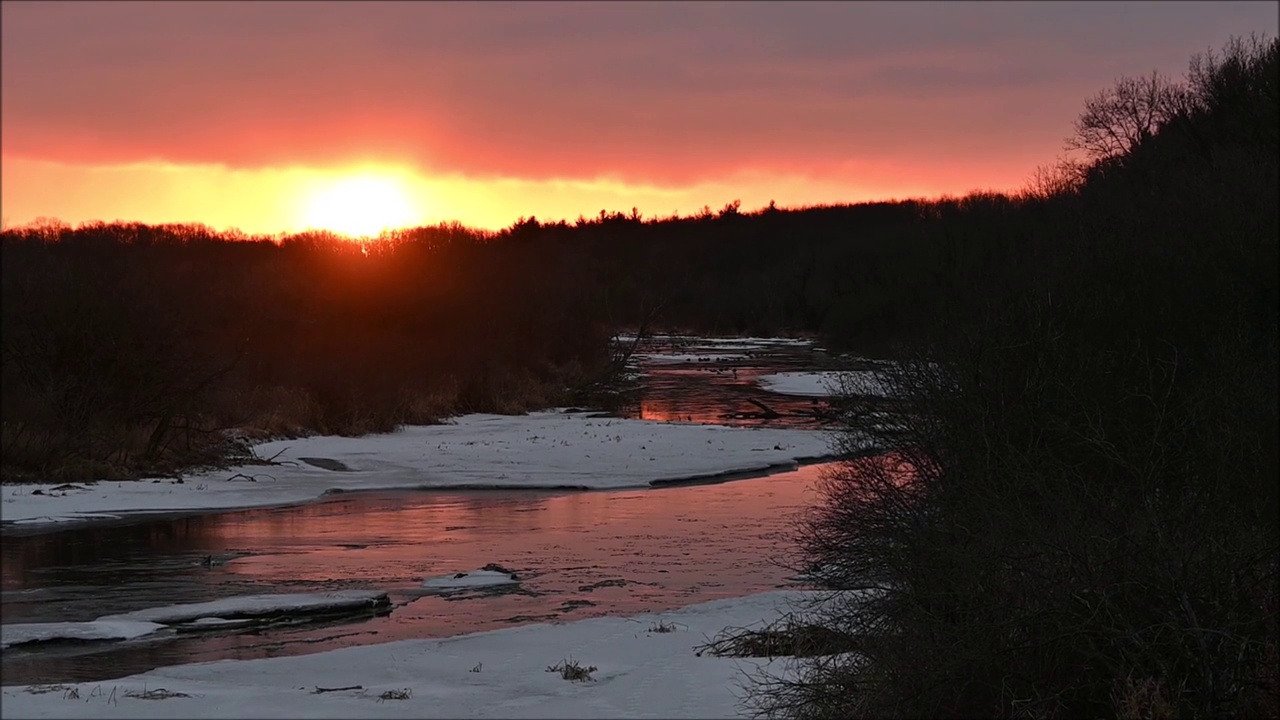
pixel 656 93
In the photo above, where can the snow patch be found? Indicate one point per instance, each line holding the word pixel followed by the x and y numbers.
pixel 253 606
pixel 825 383
pixel 817 384
pixel 553 449
pixel 23 633
pixel 473 580
pixel 499 673
pixel 722 342
pixel 681 358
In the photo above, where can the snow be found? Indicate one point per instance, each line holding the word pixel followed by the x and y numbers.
pixel 219 623
pixel 822 384
pixel 21 633
pixel 680 358
pixel 540 450
pixel 207 613
pixel 720 342
pixel 799 383
pixel 501 673
pixel 469 580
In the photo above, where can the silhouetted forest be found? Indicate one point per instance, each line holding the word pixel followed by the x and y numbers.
pixel 131 348
pixel 128 346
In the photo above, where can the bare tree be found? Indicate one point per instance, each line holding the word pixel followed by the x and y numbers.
pixel 1118 119
pixel 1064 176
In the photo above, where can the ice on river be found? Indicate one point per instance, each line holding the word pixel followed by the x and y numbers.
pixel 474 580
pixel 822 384
pixel 708 341
pixel 215 614
pixel 22 633
pixel 500 673
pixel 682 358
pixel 539 450
pixel 248 606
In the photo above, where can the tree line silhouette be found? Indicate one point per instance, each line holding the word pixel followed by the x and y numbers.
pixel 131 348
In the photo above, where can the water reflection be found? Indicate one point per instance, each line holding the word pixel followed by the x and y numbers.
pixel 580 554
pixel 658 549
pixel 727 392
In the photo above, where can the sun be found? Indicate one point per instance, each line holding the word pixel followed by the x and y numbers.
pixel 361 206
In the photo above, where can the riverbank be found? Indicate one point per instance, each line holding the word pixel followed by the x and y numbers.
pixel 543 450
pixel 644 666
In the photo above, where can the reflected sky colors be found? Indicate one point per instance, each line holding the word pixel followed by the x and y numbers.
pixel 579 554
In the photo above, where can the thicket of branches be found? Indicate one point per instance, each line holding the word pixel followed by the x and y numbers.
pixel 1081 518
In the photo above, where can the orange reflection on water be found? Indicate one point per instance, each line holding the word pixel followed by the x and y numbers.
pixel 662 410
pixel 407 536
pixel 578 554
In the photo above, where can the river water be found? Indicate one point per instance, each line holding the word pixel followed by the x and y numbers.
pixel 578 554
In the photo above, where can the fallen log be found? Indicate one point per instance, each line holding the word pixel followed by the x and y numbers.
pixel 767 413
pixel 319 689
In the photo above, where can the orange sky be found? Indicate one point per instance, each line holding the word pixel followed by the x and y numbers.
pixel 271 117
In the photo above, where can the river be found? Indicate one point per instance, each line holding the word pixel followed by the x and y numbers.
pixel 578 554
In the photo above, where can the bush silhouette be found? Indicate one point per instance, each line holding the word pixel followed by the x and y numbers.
pixel 1079 516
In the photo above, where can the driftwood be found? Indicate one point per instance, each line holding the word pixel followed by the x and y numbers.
pixel 767 412
pixel 319 689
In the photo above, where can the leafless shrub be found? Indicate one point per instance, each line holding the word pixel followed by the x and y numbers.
pixel 1063 177
pixel 786 637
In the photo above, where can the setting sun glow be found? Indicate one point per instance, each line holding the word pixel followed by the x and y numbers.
pixel 360 207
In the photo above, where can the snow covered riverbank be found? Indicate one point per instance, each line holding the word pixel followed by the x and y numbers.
pixel 645 666
pixel 539 450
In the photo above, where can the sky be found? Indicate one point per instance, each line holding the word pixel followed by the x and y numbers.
pixel 276 117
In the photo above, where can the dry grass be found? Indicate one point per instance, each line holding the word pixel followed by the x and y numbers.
pixel 239 416
pixel 112 452
pixel 271 412
pixel 430 405
pixel 156 694
pixel 573 671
